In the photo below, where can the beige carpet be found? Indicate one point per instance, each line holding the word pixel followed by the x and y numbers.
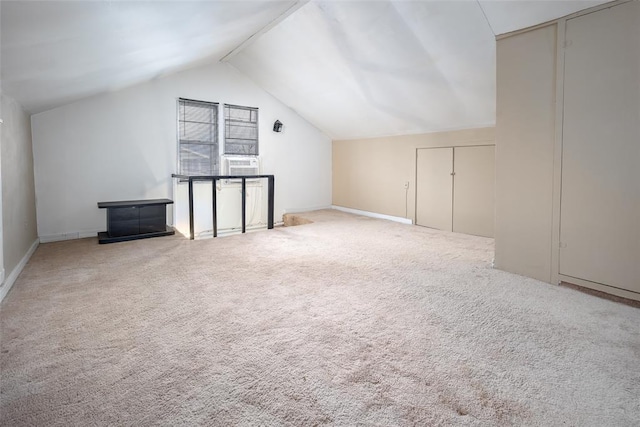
pixel 345 321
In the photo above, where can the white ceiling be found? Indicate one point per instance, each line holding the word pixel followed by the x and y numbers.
pixel 364 69
pixel 352 68
pixel 358 69
pixel 510 15
pixel 55 52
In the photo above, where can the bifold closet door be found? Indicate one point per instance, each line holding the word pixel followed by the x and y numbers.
pixel 473 190
pixel 600 201
pixel 434 188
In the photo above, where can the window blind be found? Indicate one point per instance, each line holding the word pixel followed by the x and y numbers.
pixel 241 130
pixel 198 137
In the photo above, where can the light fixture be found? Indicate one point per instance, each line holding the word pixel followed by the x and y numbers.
pixel 277 126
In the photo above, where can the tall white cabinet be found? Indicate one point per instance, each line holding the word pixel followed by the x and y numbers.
pixel 600 203
pixel 568 125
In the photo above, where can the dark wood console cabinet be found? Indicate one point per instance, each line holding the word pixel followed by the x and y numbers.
pixel 135 219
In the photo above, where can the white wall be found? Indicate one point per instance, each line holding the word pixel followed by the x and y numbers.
pixel 19 237
pixel 122 145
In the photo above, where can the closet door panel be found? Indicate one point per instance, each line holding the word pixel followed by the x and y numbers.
pixel 525 132
pixel 473 192
pixel 434 185
pixel 600 201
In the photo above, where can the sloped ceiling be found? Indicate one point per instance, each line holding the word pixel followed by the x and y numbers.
pixel 55 52
pixel 352 68
pixel 505 16
pixel 366 69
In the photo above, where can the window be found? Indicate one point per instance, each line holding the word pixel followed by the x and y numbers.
pixel 240 130
pixel 198 148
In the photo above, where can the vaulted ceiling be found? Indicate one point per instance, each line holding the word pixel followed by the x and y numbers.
pixel 352 68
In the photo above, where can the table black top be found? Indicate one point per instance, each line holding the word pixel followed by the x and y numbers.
pixel 134 203
pixel 212 177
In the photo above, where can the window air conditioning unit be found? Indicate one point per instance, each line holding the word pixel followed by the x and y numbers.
pixel 242 166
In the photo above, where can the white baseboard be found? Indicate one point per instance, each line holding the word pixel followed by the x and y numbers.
pixel 374 215
pixel 85 234
pixel 298 210
pixel 67 236
pixel 59 237
pixel 600 287
pixel 13 276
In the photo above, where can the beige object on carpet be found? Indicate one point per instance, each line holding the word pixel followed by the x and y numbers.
pixel 344 321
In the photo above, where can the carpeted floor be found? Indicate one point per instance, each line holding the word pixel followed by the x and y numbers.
pixel 345 321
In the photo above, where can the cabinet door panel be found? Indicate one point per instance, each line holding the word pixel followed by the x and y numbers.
pixel 123 221
pixel 473 192
pixel 600 202
pixel 153 219
pixel 434 188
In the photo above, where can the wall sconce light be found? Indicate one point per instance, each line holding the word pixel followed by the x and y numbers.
pixel 277 126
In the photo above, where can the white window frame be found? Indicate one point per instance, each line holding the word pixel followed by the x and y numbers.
pixel 215 157
pixel 253 111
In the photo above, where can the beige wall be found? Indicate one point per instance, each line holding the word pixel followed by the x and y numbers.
pixel 370 174
pixel 18 194
pixel 2 273
pixel 525 127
